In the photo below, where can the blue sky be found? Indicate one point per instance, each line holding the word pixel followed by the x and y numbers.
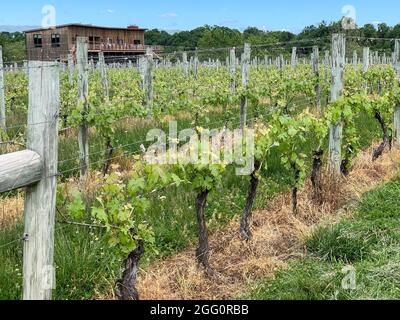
pixel 182 15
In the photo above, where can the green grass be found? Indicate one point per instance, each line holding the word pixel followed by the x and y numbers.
pixel 84 264
pixel 369 242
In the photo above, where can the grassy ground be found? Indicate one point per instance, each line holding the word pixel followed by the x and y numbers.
pixel 85 267
pixel 365 247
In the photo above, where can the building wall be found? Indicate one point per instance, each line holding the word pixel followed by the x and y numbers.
pixel 47 51
pixel 96 36
pixel 126 36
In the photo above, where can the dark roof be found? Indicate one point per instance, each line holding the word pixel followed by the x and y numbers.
pixel 85 26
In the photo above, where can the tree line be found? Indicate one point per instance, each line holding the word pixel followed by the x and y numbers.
pixel 206 37
pixel 14 48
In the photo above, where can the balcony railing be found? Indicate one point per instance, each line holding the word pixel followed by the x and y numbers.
pixel 122 47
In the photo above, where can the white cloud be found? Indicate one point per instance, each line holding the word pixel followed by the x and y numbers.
pixel 169 15
pixel 111 11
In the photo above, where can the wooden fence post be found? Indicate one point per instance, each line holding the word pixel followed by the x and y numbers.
pixel 232 69
pixel 396 63
pixel 336 130
pixel 326 65
pixel 281 63
pixel 196 66
pixel 2 95
pixel 40 199
pixel 149 77
pixel 355 59
pixel 142 70
pixel 70 69
pixel 315 66
pixel 294 57
pixel 245 82
pixel 365 59
pixel 185 65
pixel 83 93
pixel 104 78
pixel 25 67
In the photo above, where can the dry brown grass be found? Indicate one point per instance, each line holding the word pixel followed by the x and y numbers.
pixel 277 237
pixel 11 210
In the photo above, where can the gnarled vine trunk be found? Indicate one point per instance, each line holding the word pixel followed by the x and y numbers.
pixel 344 167
pixel 126 287
pixel 109 153
pixel 316 176
pixel 286 109
pixel 346 162
pixel 203 250
pixel 245 224
pixel 294 201
pixel 379 151
pixel 295 189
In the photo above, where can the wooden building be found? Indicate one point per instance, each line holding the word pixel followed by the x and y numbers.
pixel 56 43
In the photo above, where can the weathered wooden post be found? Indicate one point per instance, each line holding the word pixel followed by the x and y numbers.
pixel 25 67
pixel 366 64
pixel 91 64
pixel 366 61
pixel 185 65
pixel 281 63
pixel 355 59
pixel 326 66
pixel 294 57
pixel 196 66
pixel 149 78
pixel 396 63
pixel 232 69
pixel 245 82
pixel 2 96
pixel 83 93
pixel 142 70
pixel 70 69
pixel 315 66
pixel 191 64
pixel 40 199
pixel 104 78
pixel 336 130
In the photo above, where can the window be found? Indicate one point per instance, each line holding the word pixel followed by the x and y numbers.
pixel 94 41
pixel 55 40
pixel 137 42
pixel 37 40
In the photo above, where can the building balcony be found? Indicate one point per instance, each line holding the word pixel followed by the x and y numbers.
pixel 136 48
